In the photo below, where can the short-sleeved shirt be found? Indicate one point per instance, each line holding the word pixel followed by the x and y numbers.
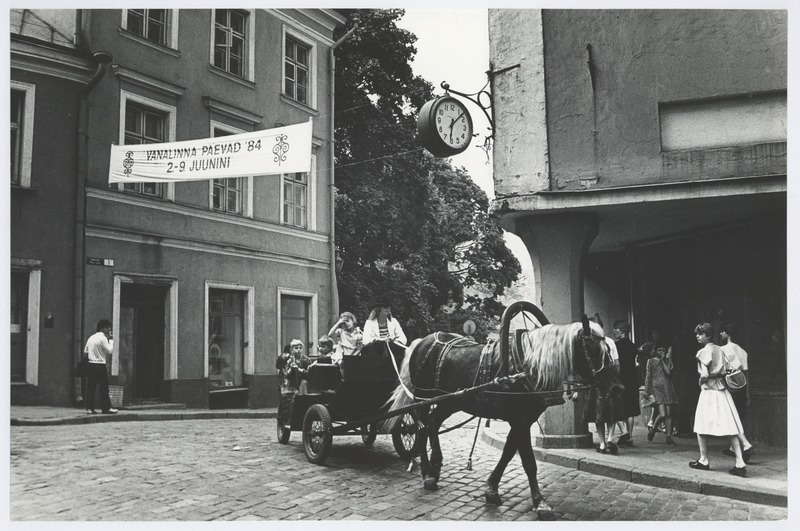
pixel 713 358
pixel 734 351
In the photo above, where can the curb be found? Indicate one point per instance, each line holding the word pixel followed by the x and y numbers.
pixel 128 417
pixel 642 477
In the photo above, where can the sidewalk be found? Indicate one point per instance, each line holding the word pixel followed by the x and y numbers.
pixel 59 416
pixel 658 465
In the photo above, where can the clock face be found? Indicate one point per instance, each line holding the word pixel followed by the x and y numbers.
pixel 444 126
pixel 453 123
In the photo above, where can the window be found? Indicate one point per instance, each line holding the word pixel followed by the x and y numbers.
pixel 229 40
pixel 227 194
pixel 296 70
pixel 21 118
pixel 144 126
pixel 295 199
pixel 149 23
pixel 17 108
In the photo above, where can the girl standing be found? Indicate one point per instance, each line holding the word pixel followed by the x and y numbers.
pixel 658 382
pixel 716 413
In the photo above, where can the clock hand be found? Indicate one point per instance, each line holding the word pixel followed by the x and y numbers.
pixel 454 123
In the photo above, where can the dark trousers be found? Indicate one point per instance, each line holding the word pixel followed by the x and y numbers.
pixel 98 375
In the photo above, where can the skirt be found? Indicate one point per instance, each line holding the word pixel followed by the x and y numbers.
pixel 716 414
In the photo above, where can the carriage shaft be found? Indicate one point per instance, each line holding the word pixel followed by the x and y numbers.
pixel 428 402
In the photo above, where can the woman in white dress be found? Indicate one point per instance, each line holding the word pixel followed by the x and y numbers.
pixel 716 413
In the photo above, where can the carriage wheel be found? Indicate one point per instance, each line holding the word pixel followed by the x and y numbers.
pixel 283 431
pixel 369 433
pixel 317 436
pixel 404 436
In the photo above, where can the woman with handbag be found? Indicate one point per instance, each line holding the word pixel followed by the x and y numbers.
pixel 737 358
pixel 716 413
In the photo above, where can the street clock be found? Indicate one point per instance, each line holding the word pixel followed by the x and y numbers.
pixel 444 126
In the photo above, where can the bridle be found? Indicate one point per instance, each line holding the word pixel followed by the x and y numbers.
pixel 606 355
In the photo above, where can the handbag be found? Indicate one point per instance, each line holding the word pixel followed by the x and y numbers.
pixel 735 380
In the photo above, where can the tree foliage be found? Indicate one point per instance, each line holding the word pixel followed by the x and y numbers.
pixel 411 229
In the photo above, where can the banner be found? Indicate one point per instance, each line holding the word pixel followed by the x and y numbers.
pixel 268 152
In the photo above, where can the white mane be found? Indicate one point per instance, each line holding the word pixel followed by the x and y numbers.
pixel 548 352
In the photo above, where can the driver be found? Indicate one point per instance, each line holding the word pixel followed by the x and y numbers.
pixel 381 326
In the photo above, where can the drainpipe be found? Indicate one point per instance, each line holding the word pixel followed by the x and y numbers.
pixel 334 316
pixel 100 59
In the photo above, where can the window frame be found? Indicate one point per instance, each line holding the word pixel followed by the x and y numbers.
pixel 290 33
pixel 170 32
pixel 170 112
pixel 248 67
pixel 247 192
pixel 25 149
pixel 311 199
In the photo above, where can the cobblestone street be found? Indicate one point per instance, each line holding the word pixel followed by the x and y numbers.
pixel 235 470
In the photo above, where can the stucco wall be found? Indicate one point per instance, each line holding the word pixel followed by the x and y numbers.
pixel 42 225
pixel 609 135
pixel 520 145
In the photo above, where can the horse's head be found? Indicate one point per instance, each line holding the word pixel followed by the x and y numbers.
pixel 594 361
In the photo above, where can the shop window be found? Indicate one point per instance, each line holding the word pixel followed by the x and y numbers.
pixel 231 40
pixel 226 338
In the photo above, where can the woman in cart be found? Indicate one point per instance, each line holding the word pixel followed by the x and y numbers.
pixel 347 336
pixel 381 326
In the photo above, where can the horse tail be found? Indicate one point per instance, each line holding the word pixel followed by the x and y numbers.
pixel 400 397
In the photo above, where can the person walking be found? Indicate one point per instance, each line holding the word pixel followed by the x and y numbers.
pixel 716 413
pixel 99 346
pixel 737 358
pixel 629 375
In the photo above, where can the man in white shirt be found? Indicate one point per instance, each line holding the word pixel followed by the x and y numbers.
pixel 98 347
pixel 736 357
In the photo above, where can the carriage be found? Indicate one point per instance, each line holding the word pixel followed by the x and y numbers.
pixel 344 401
pixel 515 380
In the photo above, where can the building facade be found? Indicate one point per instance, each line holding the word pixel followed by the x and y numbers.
pixel 641 157
pixel 203 281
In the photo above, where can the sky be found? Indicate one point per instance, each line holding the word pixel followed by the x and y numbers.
pixel 453 46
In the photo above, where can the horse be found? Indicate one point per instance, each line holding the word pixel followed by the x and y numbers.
pixel 548 356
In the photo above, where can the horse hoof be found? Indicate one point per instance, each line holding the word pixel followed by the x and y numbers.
pixel 493 498
pixel 545 512
pixel 431 484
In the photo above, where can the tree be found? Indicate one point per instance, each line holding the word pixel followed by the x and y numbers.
pixel 411 228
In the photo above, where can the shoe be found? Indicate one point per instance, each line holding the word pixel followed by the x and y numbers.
pixel 698 465
pixel 111 411
pixel 670 441
pixel 729 452
pixel 91 411
pixel 625 440
pixel 612 448
pixel 747 454
pixel 736 471
pixel 649 425
pixel 651 433
pixel 600 450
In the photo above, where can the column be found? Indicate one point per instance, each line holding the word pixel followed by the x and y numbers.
pixel 557 245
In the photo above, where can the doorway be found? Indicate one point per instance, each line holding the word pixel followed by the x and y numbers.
pixel 19 325
pixel 141 340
